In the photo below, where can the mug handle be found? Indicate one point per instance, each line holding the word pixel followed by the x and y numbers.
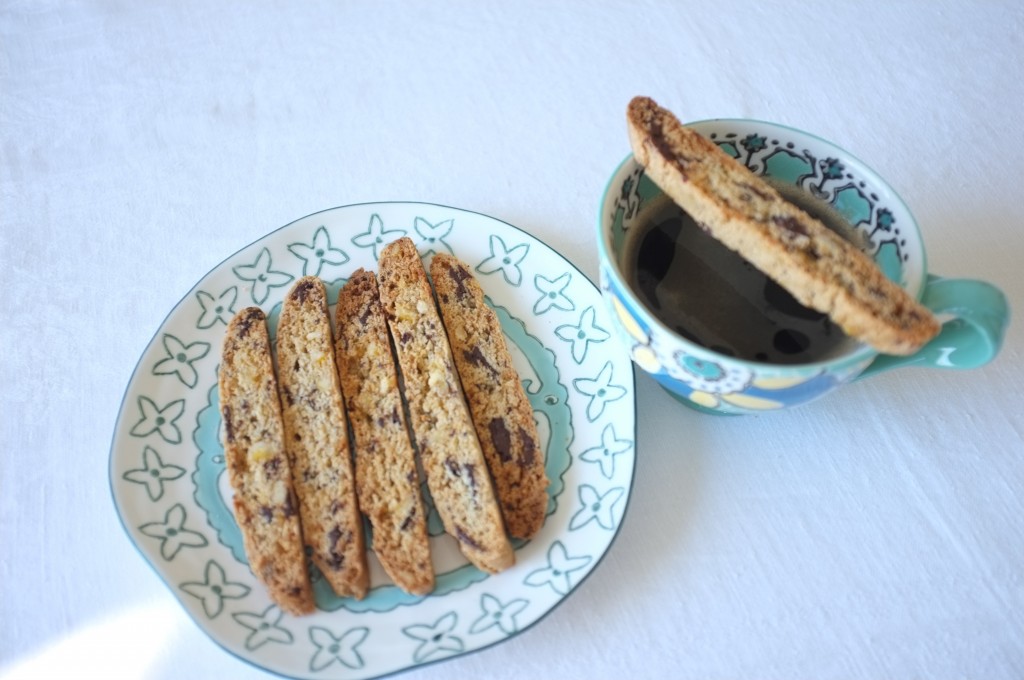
pixel 970 339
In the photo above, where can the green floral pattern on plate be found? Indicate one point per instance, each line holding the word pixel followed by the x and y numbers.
pixel 497 614
pixel 596 507
pixel 214 589
pixel 153 473
pixel 432 236
pixel 260 277
pixel 604 454
pixel 582 334
pixel 172 496
pixel 218 309
pixel 601 391
pixel 435 639
pixel 552 293
pixel 343 649
pixel 172 534
pixel 558 574
pixel 180 359
pixel 159 420
pixel 318 254
pixel 376 236
pixel 505 259
pixel 264 628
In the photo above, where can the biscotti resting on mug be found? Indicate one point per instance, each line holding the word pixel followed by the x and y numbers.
pixel 316 439
pixel 449 450
pixel 265 504
pixel 818 267
pixel 501 411
pixel 387 482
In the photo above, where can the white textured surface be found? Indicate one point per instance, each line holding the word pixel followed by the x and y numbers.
pixel 877 533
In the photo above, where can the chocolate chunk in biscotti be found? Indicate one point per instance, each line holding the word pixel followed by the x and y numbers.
pixel 317 441
pixel 820 268
pixel 386 478
pixel 448 446
pixel 501 411
pixel 258 467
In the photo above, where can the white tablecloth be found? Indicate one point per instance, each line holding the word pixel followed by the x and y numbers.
pixel 875 533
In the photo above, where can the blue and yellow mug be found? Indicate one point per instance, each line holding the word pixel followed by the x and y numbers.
pixel 975 313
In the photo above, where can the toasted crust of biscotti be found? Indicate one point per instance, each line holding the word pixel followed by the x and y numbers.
pixel 265 504
pixel 497 401
pixel 387 482
pixel 819 268
pixel 456 471
pixel 316 439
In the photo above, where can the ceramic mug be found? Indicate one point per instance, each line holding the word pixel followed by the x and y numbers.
pixel 714 381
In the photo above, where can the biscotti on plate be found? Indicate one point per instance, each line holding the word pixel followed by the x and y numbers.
pixel 387 481
pixel 501 411
pixel 449 450
pixel 818 267
pixel 316 439
pixel 265 504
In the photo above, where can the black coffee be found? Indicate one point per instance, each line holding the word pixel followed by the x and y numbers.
pixel 712 296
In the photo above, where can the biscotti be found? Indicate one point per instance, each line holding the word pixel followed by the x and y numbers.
pixel 387 482
pixel 449 450
pixel 317 441
pixel 818 267
pixel 501 411
pixel 252 433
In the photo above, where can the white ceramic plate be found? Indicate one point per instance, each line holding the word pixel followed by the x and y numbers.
pixel 166 462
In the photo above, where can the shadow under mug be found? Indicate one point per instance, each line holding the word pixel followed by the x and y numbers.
pixel 974 313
